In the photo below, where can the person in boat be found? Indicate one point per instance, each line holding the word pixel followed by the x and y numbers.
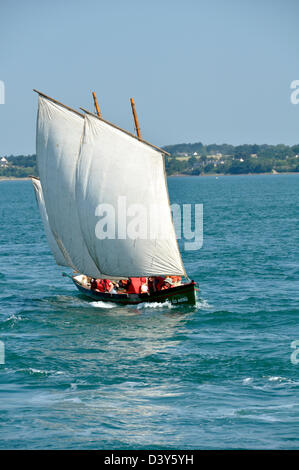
pixel 151 284
pixel 137 285
pixel 177 280
pixel 115 288
pixel 144 286
pixel 168 283
pixel 93 283
pixel 155 283
pixel 123 285
pixel 102 285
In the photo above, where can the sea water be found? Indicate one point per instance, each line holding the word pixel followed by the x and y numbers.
pixel 80 374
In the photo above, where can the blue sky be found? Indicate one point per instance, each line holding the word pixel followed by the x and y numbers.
pixel 212 71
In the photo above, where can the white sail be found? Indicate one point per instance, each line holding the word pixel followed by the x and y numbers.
pixel 57 253
pixel 115 170
pixel 59 132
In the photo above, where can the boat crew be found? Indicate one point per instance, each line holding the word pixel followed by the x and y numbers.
pixel 176 280
pixel 137 285
pixel 168 283
pixel 102 285
pixel 155 283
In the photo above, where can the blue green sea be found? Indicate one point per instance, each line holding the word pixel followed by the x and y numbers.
pixel 82 374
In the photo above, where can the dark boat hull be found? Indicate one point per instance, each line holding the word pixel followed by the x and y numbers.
pixel 183 294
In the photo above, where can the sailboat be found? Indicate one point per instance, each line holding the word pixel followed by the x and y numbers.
pixel 96 182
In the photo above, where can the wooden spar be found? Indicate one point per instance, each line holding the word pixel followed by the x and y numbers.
pixel 58 102
pixel 135 119
pixel 96 104
pixel 107 122
pixel 127 132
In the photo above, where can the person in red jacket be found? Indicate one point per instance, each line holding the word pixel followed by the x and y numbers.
pixel 155 283
pixel 101 285
pixel 137 285
pixel 159 281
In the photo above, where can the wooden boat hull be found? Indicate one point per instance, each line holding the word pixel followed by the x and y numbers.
pixel 183 294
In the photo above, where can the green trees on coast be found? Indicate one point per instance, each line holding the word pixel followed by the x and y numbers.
pixel 18 166
pixel 195 159
pixel 198 159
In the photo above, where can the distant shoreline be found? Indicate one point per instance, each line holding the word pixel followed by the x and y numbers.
pixel 25 178
pixel 239 174
pixel 14 178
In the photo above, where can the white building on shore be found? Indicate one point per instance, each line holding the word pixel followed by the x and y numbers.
pixel 3 162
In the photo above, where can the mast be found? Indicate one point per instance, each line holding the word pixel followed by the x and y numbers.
pixel 107 122
pixel 126 132
pixel 135 119
pixel 96 104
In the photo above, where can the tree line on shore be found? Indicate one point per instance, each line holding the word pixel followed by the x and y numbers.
pixel 19 166
pixel 195 159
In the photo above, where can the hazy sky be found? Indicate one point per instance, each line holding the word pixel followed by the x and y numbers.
pixel 212 71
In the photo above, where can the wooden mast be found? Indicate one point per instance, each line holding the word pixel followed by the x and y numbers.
pixel 104 120
pixel 96 104
pixel 136 119
pixel 126 132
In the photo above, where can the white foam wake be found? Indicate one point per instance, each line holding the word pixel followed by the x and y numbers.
pixel 166 304
pixel 101 304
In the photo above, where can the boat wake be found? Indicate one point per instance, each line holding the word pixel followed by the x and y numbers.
pixel 100 304
pixel 203 304
pixel 166 304
pixel 141 306
pixel 200 305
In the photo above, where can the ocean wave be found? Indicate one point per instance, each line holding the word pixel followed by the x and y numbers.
pixel 264 382
pixel 11 320
pixel 276 379
pixel 203 304
pixel 73 400
pixel 247 380
pixel 39 372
